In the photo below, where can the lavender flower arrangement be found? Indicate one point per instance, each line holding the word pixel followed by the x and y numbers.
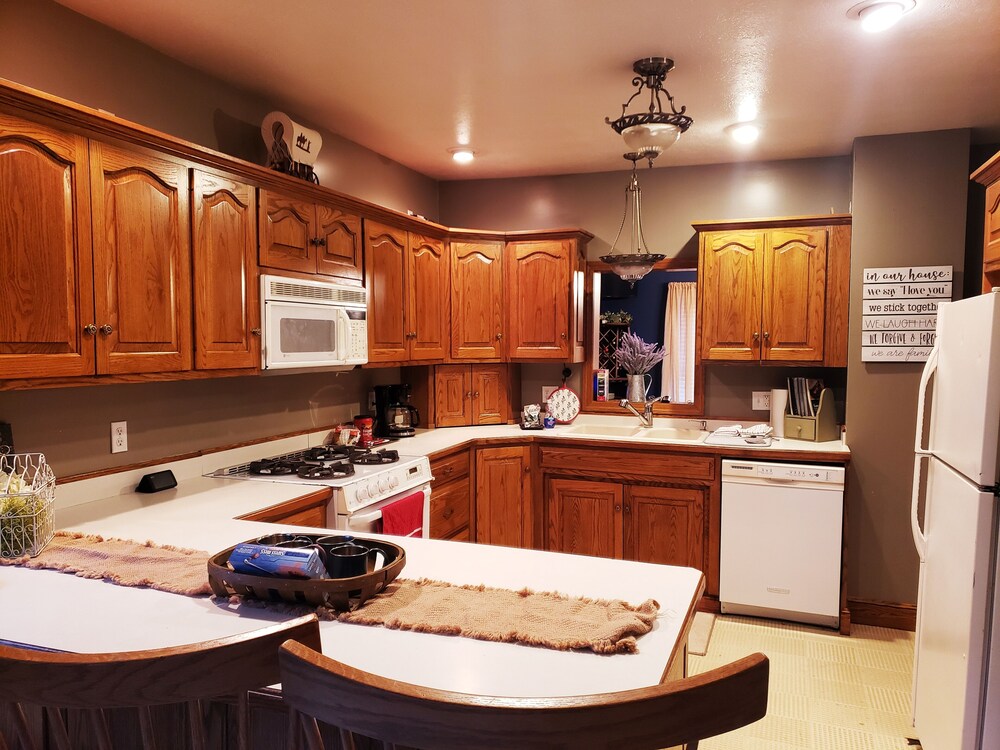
pixel 635 356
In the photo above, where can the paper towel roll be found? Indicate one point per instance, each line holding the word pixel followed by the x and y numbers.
pixel 779 400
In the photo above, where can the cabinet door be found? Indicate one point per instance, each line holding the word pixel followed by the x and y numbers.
pixel 537 277
pixel 991 239
pixel 287 233
pixel 449 512
pixel 584 517
pixel 385 254
pixel 45 253
pixel 427 298
pixel 226 289
pixel 666 525
pixel 339 251
pixel 490 399
pixel 452 395
pixel 730 294
pixel 794 305
pixel 503 496
pixel 142 261
pixel 476 300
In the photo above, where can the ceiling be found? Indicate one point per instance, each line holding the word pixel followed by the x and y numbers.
pixel 527 83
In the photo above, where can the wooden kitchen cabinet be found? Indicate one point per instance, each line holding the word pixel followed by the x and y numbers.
pixel 666 525
pixel 226 288
pixel 477 300
pixel 451 495
pixel 774 293
pixel 989 175
pixel 142 260
pixel 503 496
pixel 308 510
pixel 584 517
pixel 314 238
pixel 407 276
pixel 544 300
pixel 48 300
pixel 471 395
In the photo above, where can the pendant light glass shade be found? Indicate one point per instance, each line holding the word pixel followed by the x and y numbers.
pixel 636 263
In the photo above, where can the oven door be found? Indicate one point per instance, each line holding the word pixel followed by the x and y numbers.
pixel 369 519
pixel 304 335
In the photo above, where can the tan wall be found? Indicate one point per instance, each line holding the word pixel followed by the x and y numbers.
pixel 910 196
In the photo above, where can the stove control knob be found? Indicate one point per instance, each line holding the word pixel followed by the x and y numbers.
pixel 393 482
pixel 383 484
pixel 362 492
pixel 373 490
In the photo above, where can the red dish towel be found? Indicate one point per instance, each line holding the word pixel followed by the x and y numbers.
pixel 405 517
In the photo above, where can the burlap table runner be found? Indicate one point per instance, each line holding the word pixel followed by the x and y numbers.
pixel 547 619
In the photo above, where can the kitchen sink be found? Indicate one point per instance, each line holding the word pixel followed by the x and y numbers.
pixel 671 433
pixel 603 430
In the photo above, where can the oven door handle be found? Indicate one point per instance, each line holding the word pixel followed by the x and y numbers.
pixel 359 521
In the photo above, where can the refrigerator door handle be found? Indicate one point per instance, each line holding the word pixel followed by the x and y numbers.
pixel 919 537
pixel 930 367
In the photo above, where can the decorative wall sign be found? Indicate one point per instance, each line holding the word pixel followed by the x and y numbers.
pixel 899 311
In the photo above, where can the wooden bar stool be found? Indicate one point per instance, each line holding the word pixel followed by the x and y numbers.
pixel 397 713
pixel 141 679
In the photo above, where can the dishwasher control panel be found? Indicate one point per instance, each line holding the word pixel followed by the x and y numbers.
pixel 765 470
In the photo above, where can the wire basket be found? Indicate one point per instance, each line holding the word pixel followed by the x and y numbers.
pixel 27 492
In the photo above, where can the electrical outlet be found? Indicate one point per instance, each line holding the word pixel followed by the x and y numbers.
pixel 119 437
pixel 761 401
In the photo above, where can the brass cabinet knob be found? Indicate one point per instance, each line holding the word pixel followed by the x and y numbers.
pixel 468 394
pixel 448 513
pixel 618 508
pixel 766 335
pixel 756 335
pixel 90 328
pixel 499 336
pixel 628 508
pixel 476 394
pixel 563 335
pixel 255 331
pixel 106 329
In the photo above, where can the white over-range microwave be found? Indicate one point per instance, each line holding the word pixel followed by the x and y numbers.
pixel 312 324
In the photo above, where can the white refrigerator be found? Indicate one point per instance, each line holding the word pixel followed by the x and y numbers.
pixel 956 673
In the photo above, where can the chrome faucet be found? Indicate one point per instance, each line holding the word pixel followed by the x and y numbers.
pixel 646 418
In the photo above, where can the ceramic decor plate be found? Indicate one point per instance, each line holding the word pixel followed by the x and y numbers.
pixel 564 405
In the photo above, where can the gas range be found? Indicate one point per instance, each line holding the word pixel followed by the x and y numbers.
pixel 359 477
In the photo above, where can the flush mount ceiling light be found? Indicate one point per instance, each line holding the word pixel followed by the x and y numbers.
pixel 636 263
pixel 462 155
pixel 879 15
pixel 649 133
pixel 744 132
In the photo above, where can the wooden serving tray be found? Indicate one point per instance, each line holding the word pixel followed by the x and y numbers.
pixel 341 594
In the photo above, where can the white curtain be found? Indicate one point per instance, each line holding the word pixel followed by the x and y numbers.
pixel 678 342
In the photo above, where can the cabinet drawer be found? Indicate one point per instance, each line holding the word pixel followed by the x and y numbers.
pixel 461 536
pixel 654 466
pixel 308 510
pixel 451 468
pixel 450 509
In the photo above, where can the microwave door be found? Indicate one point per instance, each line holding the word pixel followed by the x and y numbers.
pixel 301 335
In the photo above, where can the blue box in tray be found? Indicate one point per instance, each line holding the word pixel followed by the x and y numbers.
pixel 261 559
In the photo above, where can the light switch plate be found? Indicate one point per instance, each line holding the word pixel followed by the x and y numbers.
pixel 546 391
pixel 761 401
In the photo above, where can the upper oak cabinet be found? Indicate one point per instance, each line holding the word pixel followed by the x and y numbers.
pixel 226 292
pixel 47 306
pixel 989 176
pixel 477 300
pixel 544 300
pixel 407 276
pixel 775 290
pixel 298 235
pixel 142 260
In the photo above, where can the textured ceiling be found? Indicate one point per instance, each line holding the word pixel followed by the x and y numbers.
pixel 528 83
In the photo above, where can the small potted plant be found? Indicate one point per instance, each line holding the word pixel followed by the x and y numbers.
pixel 637 358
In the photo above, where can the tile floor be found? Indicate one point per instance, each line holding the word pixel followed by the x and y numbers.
pixel 826 692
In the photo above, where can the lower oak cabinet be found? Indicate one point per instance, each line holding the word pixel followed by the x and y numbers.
pixel 451 496
pixel 503 496
pixel 308 510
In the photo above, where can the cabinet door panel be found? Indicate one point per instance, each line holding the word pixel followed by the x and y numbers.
pixel 428 300
pixel 490 401
pixel 476 300
pixel 503 497
pixel 142 261
pixel 666 525
pixel 584 518
pixel 226 290
pixel 538 294
pixel 385 261
pixel 794 295
pixel 730 295
pixel 449 512
pixel 452 401
pixel 991 238
pixel 339 253
pixel 287 232
pixel 45 262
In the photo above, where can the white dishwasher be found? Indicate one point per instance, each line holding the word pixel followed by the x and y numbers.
pixel 782 528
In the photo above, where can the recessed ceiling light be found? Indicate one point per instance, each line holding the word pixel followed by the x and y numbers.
pixel 462 155
pixel 879 15
pixel 744 132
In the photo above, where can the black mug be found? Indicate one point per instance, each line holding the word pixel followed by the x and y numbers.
pixel 303 544
pixel 327 543
pixel 351 560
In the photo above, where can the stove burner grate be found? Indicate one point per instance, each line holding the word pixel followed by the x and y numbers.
pixel 271 467
pixel 368 458
pixel 335 470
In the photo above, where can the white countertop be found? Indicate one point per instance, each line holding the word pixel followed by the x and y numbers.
pixel 55 610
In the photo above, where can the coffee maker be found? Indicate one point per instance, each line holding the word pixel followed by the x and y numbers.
pixel 395 417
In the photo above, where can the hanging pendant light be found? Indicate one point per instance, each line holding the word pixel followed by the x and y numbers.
pixel 650 133
pixel 636 263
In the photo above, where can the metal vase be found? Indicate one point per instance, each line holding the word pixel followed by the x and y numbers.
pixel 638 387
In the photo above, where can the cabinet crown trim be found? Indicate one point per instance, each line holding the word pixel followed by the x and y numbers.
pixel 780 222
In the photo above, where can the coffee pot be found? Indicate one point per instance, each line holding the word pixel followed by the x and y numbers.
pixel 395 417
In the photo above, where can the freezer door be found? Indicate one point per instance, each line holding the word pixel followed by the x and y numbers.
pixel 953 602
pixel 965 405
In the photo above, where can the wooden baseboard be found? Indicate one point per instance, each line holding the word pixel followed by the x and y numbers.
pixel 883 614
